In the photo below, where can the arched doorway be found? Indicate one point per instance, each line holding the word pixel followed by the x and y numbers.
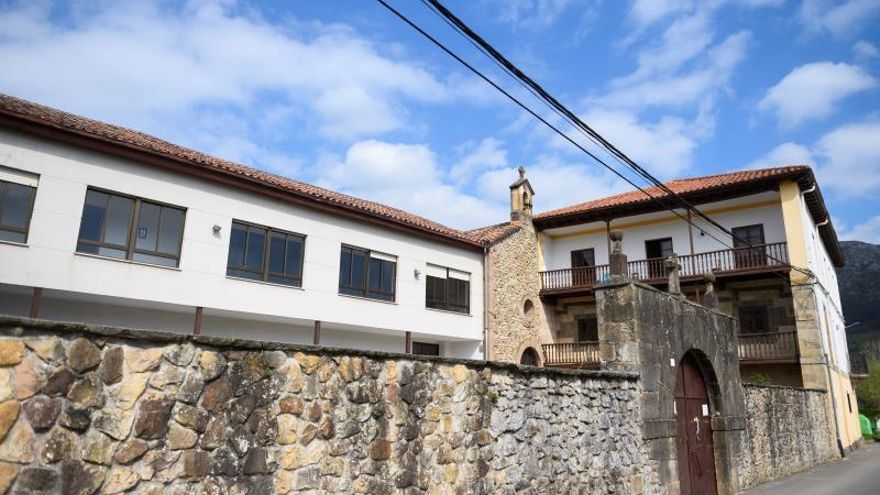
pixel 530 357
pixel 695 449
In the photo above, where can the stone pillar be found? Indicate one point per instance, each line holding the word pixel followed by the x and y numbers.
pixel 673 268
pixel 710 298
pixel 617 259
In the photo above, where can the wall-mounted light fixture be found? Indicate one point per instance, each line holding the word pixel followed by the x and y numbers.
pixel 416 273
pixel 216 228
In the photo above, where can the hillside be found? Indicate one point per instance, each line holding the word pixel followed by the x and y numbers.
pixel 860 292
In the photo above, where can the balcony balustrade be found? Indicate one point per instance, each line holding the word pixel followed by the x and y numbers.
pixel 752 259
pixel 572 355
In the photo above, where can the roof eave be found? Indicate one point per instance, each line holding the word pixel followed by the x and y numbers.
pixel 103 144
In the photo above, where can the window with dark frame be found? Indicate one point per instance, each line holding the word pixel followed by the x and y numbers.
pixel 16 207
pixel 364 273
pixel 425 348
pixel 754 319
pixel 130 228
pixel 447 289
pixel 265 254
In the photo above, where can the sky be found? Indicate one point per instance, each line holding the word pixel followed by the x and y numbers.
pixel 342 94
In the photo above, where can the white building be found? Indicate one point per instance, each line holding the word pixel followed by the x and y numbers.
pixel 776 272
pixel 104 225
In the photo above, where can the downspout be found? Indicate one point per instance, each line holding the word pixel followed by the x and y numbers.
pixel 485 303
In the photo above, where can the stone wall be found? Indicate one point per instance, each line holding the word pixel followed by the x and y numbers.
pixel 788 430
pixel 86 410
pixel 517 318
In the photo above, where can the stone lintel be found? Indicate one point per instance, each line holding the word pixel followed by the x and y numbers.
pixel 728 423
pixel 659 428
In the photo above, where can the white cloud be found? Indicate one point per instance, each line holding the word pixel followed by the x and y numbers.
pixel 539 13
pixel 784 154
pixel 867 231
pixel 407 176
pixel 846 159
pixel 850 159
pixel 839 19
pixel 812 91
pixel 864 49
pixel 138 62
pixel 488 154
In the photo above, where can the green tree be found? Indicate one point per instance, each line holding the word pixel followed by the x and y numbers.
pixel 868 391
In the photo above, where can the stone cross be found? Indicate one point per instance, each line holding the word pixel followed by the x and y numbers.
pixel 673 267
pixel 710 298
pixel 617 259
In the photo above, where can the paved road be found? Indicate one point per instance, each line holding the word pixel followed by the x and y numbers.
pixel 855 475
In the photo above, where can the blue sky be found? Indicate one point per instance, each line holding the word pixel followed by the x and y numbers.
pixel 342 94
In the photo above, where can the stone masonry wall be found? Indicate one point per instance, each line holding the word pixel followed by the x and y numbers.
pixel 86 410
pixel 515 278
pixel 788 431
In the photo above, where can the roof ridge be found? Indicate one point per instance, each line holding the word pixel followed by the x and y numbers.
pixel 72 122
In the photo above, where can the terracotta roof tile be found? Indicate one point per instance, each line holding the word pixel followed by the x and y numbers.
pixel 678 186
pixel 144 142
pixel 491 234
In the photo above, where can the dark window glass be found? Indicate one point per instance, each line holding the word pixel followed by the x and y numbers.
pixel 426 348
pixel 282 253
pixel 237 242
pixel 451 294
pixel 588 329
pixel 583 257
pixel 748 242
pixel 16 205
pixel 107 229
pixel 754 319
pixel 256 247
pixel 365 276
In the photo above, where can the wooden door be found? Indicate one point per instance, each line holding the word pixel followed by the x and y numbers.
pixel 656 252
pixel 748 243
pixel 583 268
pixel 696 453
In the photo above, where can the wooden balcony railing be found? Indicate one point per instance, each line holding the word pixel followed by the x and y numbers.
pixel 573 354
pixel 755 259
pixel 773 347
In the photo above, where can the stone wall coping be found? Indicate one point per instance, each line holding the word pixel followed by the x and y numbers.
pixel 615 284
pixel 783 387
pixel 13 326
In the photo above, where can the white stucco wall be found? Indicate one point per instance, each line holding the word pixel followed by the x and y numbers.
pixel 49 259
pixel 557 251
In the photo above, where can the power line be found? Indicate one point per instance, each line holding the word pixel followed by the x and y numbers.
pixel 562 111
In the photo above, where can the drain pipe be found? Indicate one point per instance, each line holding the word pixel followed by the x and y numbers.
pixel 485 303
pixel 834 408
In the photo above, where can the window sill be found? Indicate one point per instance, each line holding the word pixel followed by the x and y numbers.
pixel 361 298
pixel 129 262
pixel 13 243
pixel 263 282
pixel 459 313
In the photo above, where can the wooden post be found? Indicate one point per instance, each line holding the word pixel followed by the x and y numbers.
pixel 197 325
pixel 36 300
pixel 691 238
pixel 317 338
pixel 407 346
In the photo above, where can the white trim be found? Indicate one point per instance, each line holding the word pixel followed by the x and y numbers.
pixel 459 275
pixel 382 256
pixel 19 176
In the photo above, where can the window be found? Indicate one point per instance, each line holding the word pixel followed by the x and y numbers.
pixel 269 255
pixel 365 273
pixel 583 262
pixel 16 205
pixel 743 239
pixel 754 319
pixel 447 289
pixel 588 329
pixel 656 252
pixel 583 257
pixel 130 228
pixel 426 348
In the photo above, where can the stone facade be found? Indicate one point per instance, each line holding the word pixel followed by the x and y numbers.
pixel 788 430
pixel 517 319
pixel 649 331
pixel 86 410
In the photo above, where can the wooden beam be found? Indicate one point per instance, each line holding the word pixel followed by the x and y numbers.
pixel 407 346
pixel 36 301
pixel 317 338
pixel 197 325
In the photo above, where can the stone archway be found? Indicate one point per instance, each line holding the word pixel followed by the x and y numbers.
pixel 695 401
